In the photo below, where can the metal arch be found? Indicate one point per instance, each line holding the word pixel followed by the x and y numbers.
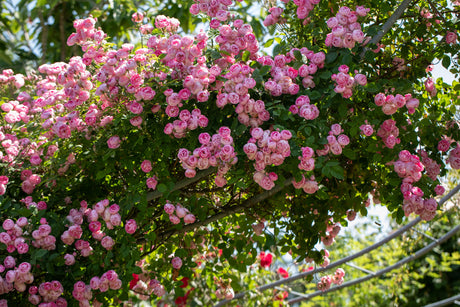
pixel 349 258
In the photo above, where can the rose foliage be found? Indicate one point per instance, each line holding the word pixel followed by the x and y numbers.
pixel 131 172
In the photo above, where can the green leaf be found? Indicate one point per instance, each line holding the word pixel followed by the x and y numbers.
pixel 446 61
pixel 349 153
pixel 278 48
pixel 331 57
pixel 371 88
pixel 298 55
pixel 325 75
pixel 269 43
pixel 337 172
pixel 162 188
pixel 245 56
pixel 264 70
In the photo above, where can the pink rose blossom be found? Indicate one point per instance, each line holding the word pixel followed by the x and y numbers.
pixel 130 226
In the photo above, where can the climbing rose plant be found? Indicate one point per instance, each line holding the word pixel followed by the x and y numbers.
pixel 128 172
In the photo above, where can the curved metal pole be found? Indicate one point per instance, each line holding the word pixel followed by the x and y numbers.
pixel 418 254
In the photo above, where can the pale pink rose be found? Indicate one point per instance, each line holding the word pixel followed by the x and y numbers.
pixel 189 218
pixel 152 183
pixel 336 129
pixel 351 215
pixel 69 259
pixel 22 221
pixel 343 140
pixel 169 208
pixel 379 99
pixel 451 37
pixel 190 173
pixel 367 130
pixel 180 211
pixel 94 283
pixel 360 79
pixel 107 242
pixel 176 263
pixel 439 190
pixel 335 148
pixel 9 262
pixel 430 204
pixel 115 220
pixel 130 226
pixel 444 145
pixel 220 181
pixel 8 224
pixel 114 142
pixel 174 219
pixel 146 166
pixel 137 17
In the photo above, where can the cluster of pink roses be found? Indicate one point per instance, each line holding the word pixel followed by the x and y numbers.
pixel 102 210
pixel 83 292
pixel 303 107
pixel 218 9
pixel 454 157
pixel 43 238
pixel 15 277
pixel 167 24
pixel 146 167
pixel 410 169
pixel 13 237
pixel 8 78
pixel 235 91
pixel 11 145
pixel 234 41
pixel 15 112
pixel 332 230
pixel 304 7
pixel 389 133
pixel 267 148
pixel 344 82
pixel 307 163
pixel 346 31
pixel 430 87
pixel 309 186
pixel 390 104
pixel 177 212
pixel 432 168
pixel 30 181
pixel 284 76
pixel 224 292
pixel 50 293
pixel 214 151
pixel 336 141
pixel 85 31
pixel 326 281
pixel 274 16
pixel 187 121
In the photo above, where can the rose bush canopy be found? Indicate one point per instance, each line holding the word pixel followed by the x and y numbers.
pixel 131 171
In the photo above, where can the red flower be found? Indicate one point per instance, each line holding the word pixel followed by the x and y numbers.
pixel 133 282
pixel 184 282
pixel 265 259
pixel 181 301
pixel 283 272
